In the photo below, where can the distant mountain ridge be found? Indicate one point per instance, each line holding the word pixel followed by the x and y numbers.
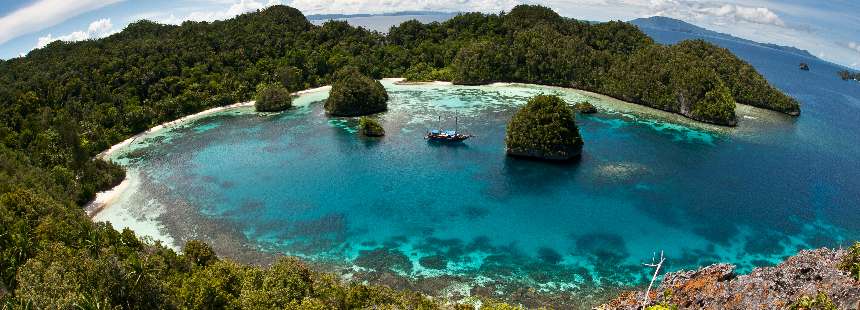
pixel 671 24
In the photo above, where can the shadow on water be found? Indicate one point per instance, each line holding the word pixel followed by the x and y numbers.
pixel 521 176
pixel 448 145
pixel 369 142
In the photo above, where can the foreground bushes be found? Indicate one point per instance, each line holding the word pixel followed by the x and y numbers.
pixel 851 261
pixel 143 276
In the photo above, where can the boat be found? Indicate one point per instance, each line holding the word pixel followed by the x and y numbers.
pixel 439 135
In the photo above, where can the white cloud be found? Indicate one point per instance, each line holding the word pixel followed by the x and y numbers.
pixel 43 14
pixel 219 12
pixel 384 6
pixel 97 29
pixel 854 46
pixel 715 12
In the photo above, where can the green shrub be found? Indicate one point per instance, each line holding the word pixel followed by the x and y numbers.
pixel 285 283
pixel 718 106
pixel 199 253
pixel 422 72
pixel 544 128
pixel 819 302
pixel 851 261
pixel 353 94
pixel 272 98
pixel 370 127
pixel 216 287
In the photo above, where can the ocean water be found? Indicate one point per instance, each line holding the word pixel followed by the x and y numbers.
pixel 463 219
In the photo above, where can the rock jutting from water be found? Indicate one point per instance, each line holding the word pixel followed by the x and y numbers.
pixel 353 94
pixel 272 98
pixel 370 127
pixel 545 128
pixel 585 107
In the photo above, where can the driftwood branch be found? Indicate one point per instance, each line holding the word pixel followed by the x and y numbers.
pixel 656 265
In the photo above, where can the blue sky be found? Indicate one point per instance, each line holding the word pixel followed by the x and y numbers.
pixel 828 29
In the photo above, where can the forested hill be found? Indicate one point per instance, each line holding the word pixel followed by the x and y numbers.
pixel 64 103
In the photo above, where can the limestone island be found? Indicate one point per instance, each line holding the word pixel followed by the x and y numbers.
pixel 272 98
pixel 353 94
pixel 370 127
pixel 585 107
pixel 693 78
pixel 545 128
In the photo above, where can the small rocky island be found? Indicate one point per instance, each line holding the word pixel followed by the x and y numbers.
pixel 370 127
pixel 354 94
pixel 272 98
pixel 585 107
pixel 545 128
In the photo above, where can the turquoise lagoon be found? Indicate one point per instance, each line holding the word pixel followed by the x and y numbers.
pixel 467 216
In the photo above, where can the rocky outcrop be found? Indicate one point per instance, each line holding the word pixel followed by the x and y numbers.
pixel 585 107
pixel 353 94
pixel 272 98
pixel 369 127
pixel 545 128
pixel 717 286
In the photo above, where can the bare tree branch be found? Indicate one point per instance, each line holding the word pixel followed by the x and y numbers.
pixel 656 267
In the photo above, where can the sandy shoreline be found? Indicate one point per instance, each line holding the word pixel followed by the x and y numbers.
pixel 105 198
pixel 194 116
pixel 99 209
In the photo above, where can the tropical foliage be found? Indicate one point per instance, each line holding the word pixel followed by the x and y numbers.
pixel 851 261
pixel 818 302
pixel 585 107
pixel 353 94
pixel 63 104
pixel 272 98
pixel 544 128
pixel 370 127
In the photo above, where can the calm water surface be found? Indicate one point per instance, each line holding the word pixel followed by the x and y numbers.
pixel 305 184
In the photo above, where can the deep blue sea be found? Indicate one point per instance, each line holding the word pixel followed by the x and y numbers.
pixel 305 184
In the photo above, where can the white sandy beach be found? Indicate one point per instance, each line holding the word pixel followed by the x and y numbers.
pixel 100 210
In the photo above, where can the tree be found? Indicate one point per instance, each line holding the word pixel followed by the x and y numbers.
pixel 370 127
pixel 291 78
pixel 353 94
pixel 216 287
pixel 272 98
pixel 199 253
pixel 285 283
pixel 544 128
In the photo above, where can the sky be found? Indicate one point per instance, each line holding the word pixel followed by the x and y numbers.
pixel 829 29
